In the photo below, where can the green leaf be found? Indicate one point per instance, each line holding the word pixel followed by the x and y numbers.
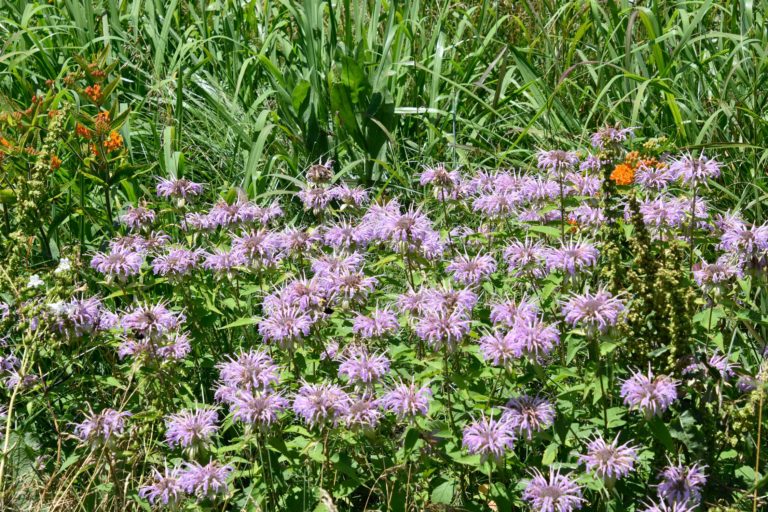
pixel 299 95
pixel 550 454
pixel 242 321
pixel 661 433
pixel 443 493
pixel 7 196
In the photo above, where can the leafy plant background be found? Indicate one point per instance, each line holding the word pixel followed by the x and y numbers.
pixel 248 95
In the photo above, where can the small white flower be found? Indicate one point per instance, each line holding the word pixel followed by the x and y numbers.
pixel 35 281
pixel 64 266
pixel 59 308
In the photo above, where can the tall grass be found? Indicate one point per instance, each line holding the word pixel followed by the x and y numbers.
pixel 258 90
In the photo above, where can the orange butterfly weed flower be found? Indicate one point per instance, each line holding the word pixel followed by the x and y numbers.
pixel 632 158
pixel 102 117
pixel 82 131
pixel 55 162
pixel 94 93
pixel 114 142
pixel 623 174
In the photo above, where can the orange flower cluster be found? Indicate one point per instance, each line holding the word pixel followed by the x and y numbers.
pixel 93 69
pixel 623 174
pixel 94 93
pixel 82 131
pixel 114 142
pixel 55 162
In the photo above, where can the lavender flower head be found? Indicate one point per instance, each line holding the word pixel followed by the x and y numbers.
pixel 152 321
pixel 489 438
pixel 345 235
pixel 259 247
pixel 412 228
pixel 252 370
pixel 682 484
pixel 195 220
pixel 322 403
pixel 534 338
pixel 414 302
pixel 137 217
pixel 354 196
pixel 100 428
pixel 662 506
pixel 446 184
pixel 693 170
pixel 265 214
pixel 297 241
pixel 441 328
pixel 120 263
pixel 596 311
pixel 525 257
pixel 583 185
pixel 314 198
pixel 363 412
pixel 572 257
pixel 286 326
pixel 609 461
pixel 258 407
pixel 712 276
pixel 510 312
pixel 350 286
pixel 497 205
pixel 165 489
pixel 468 270
pixel 652 395
pixel 586 215
pixel 745 241
pixel 609 136
pixel 529 414
pixel 204 481
pixel 361 367
pixel 188 428
pixel 654 177
pixel 223 261
pixel 170 346
pixel 407 400
pixel 591 163
pixel 328 265
pixel 556 493
pixel 176 262
pixel 447 299
pixel 498 348
pixel 664 213
pixel 557 160
pixel 181 188
pixel 379 323
pixel 224 214
pixel 86 316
